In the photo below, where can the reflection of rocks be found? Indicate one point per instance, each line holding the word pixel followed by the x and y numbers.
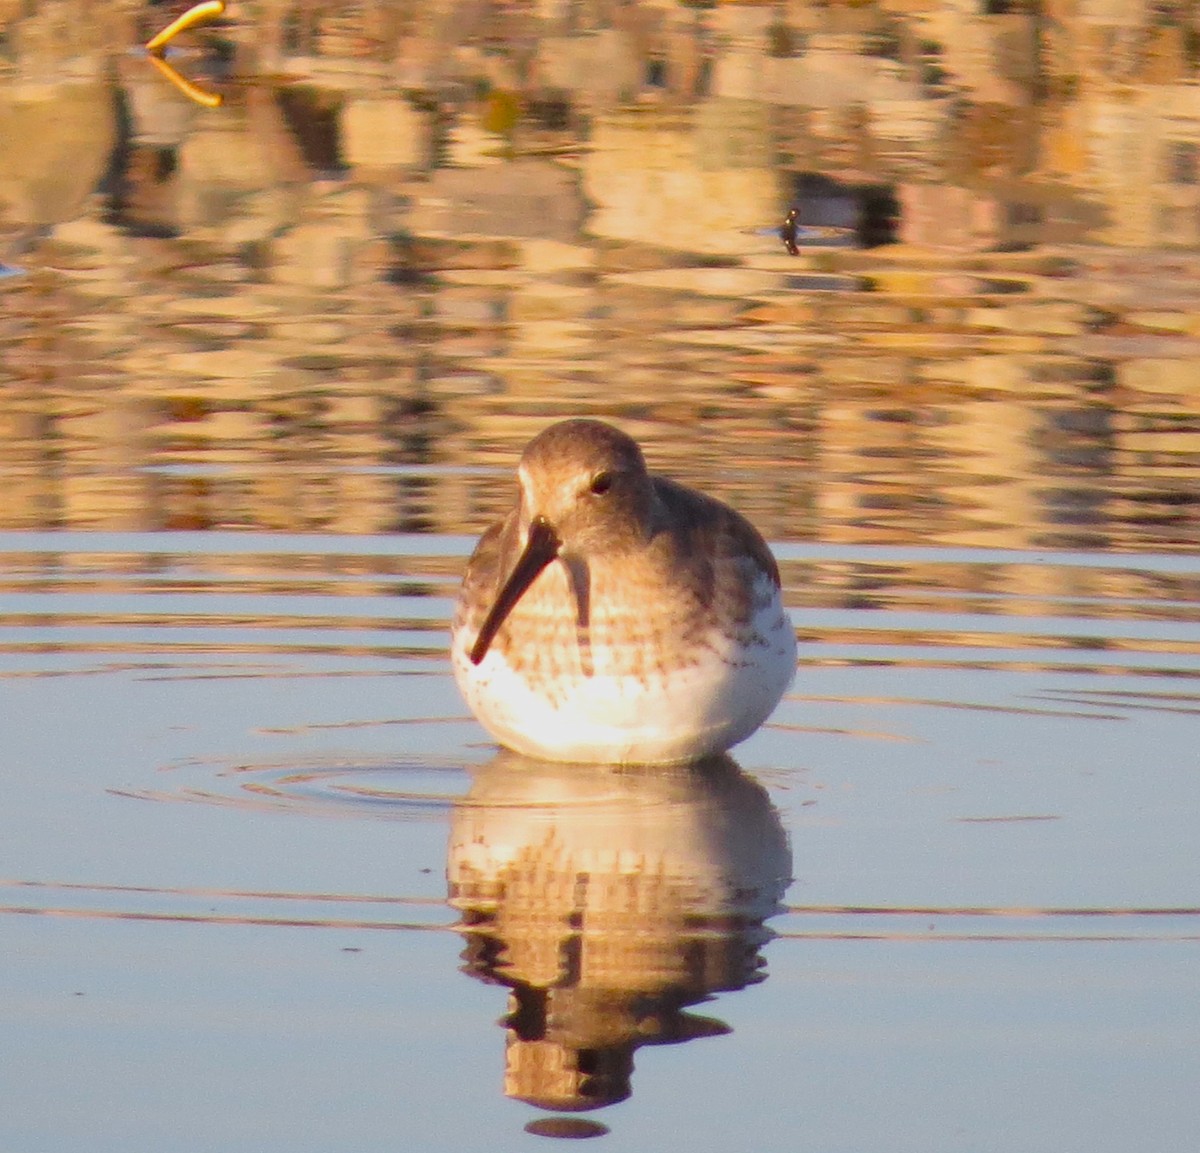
pixel 386 132
pixel 689 180
pixel 608 900
pixel 527 198
pixel 309 276
pixel 56 143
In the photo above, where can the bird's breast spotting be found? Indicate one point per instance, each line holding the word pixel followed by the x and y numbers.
pixel 618 616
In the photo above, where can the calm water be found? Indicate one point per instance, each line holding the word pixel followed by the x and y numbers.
pixel 265 365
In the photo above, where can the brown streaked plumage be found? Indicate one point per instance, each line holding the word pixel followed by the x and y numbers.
pixel 616 615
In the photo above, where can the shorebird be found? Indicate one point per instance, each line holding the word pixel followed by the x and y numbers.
pixel 616 616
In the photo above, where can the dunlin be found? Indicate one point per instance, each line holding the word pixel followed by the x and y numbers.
pixel 614 615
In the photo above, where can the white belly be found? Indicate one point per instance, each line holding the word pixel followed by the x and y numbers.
pixel 710 703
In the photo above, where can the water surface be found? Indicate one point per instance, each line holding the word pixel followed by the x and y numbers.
pixel 265 368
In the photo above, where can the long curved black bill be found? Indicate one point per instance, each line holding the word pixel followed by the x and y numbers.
pixel 540 549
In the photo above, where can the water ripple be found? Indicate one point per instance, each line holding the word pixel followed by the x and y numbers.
pixel 423 790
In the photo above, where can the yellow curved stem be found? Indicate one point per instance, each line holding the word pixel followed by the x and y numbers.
pixel 209 10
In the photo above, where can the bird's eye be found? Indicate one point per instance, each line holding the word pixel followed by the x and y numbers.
pixel 601 483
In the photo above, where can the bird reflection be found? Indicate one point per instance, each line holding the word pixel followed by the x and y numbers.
pixel 609 899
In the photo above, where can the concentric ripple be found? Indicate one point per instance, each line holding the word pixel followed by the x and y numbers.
pixel 422 790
